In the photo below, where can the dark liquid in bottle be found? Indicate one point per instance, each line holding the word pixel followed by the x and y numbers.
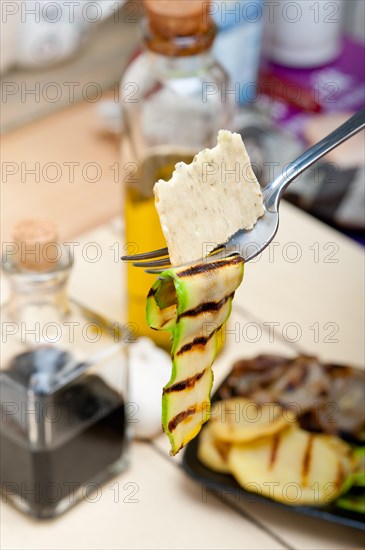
pixel 80 432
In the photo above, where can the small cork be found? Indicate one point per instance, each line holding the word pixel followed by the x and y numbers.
pixel 37 247
pixel 170 18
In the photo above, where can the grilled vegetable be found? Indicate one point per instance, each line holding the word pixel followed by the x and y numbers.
pixel 192 303
pixel 330 397
pixel 354 503
pixel 294 466
pixel 212 452
pixel 238 420
pixel 354 499
pixel 358 477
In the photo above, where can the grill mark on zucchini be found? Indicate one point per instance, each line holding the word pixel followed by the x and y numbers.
pixel 307 460
pixel 151 292
pixel 164 323
pixel 205 307
pixel 198 341
pixel 185 384
pixel 174 422
pixel 209 266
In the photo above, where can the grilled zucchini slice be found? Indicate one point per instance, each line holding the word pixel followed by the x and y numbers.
pixel 192 303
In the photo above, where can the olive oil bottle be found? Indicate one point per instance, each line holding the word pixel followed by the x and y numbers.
pixel 172 108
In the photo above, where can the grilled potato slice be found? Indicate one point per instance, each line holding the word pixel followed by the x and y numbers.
pixel 238 420
pixel 293 466
pixel 213 453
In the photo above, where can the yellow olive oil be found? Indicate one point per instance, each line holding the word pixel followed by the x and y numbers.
pixel 144 233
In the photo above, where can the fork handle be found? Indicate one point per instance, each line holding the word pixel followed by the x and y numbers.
pixel 273 192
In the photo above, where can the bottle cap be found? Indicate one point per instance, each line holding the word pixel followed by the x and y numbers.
pixel 37 244
pixel 170 18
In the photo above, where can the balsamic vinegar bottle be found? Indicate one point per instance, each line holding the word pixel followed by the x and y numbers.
pixel 64 379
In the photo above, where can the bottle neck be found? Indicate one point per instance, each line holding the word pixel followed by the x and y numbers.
pixel 38 297
pixel 178 46
pixel 168 67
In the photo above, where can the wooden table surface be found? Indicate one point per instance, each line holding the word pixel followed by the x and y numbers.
pixel 305 293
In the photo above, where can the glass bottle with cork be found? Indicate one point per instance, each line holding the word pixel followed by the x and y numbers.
pixel 174 103
pixel 64 380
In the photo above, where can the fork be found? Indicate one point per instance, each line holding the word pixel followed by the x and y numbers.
pixel 249 244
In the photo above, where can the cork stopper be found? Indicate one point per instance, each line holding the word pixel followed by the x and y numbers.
pixel 170 18
pixel 36 245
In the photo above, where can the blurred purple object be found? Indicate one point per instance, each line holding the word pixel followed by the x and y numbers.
pixel 338 87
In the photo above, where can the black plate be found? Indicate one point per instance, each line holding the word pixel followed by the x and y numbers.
pixel 227 488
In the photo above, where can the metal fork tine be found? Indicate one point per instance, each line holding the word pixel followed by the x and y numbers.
pixel 154 271
pixel 165 262
pixel 218 253
pixel 146 255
